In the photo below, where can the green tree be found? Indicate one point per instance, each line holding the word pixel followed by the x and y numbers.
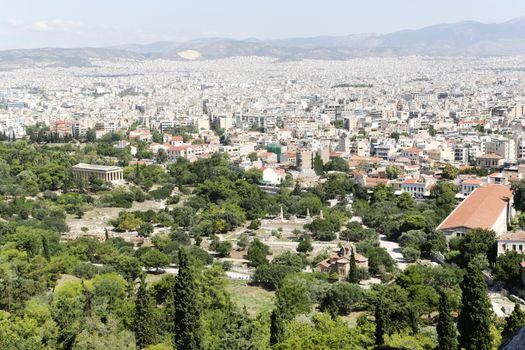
pixel 518 188
pixel 393 172
pixel 305 245
pixel 277 326
pixel 318 164
pixel 352 275
pixel 187 311
pixel 257 252
pixel 91 135
pixel 475 317
pixel 337 164
pixel 144 318
pixel 45 248
pixel 145 230
pixel 514 322
pixel 341 299
pixel 507 268
pixel 154 258
pixel 381 321
pixel 450 172
pixel 446 330
pixel 478 242
pixel 405 201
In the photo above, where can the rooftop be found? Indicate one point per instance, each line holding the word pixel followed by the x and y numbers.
pixel 96 167
pixel 480 209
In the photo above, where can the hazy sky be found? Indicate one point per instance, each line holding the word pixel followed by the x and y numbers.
pixel 74 23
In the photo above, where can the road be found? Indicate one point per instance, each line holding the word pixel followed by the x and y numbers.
pixel 394 250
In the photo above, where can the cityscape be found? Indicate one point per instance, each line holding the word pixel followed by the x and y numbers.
pixel 225 191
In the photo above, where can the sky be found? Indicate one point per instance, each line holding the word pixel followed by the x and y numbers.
pixel 79 23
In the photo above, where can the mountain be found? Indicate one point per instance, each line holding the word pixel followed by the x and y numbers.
pixel 61 57
pixel 468 38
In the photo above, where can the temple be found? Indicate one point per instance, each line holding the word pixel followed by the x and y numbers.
pixel 103 172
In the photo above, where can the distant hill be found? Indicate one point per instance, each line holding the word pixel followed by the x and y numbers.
pixel 467 38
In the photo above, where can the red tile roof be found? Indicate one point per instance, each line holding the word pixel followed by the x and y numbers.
pixel 480 209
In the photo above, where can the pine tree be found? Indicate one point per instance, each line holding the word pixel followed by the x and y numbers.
pixel 476 315
pixel 381 322
pixel 144 318
pixel 446 330
pixel 514 322
pixel 187 313
pixel 45 248
pixel 352 276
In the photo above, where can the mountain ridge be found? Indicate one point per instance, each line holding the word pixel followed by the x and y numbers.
pixel 466 38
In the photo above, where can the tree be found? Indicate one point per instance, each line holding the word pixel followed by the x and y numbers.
pixel 450 172
pixel 507 268
pixel 352 275
pixel 405 201
pixel 143 320
pixel 337 164
pixel 145 230
pixel 253 175
pixel 187 313
pixel 446 330
pixel 518 188
pixel 297 189
pixel 475 317
pixel 154 258
pixel 305 245
pixel 393 171
pixel 381 321
pixel 254 225
pixel 514 322
pixel 395 135
pixel 478 242
pixel 276 326
pixel 257 252
pixel 91 135
pixel 318 165
pixel 341 298
pixel 45 248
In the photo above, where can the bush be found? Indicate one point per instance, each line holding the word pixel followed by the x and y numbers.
pixel 255 224
pixel 411 254
pixel 162 192
pixel 173 200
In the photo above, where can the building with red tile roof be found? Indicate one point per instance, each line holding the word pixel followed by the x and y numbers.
pixel 487 207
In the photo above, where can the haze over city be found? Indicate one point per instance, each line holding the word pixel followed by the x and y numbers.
pixel 61 23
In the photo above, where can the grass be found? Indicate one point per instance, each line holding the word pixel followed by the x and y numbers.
pixel 255 299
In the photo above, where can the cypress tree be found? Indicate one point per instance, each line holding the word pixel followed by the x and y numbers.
pixel 276 326
pixel 352 276
pixel 446 330
pixel 88 299
pixel 318 165
pixel 187 313
pixel 45 248
pixel 476 315
pixel 381 322
pixel 144 318
pixel 514 322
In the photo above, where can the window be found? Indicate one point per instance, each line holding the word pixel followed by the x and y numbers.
pixel 520 247
pixel 514 247
pixel 504 246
